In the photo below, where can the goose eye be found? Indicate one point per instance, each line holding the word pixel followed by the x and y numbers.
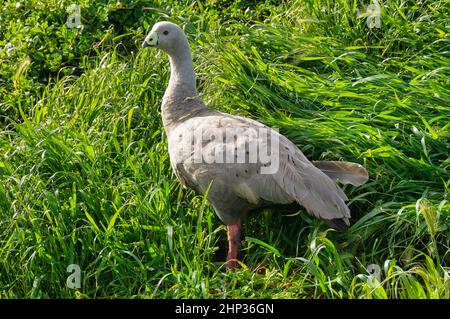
pixel 166 32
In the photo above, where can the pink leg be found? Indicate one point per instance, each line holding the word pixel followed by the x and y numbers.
pixel 234 239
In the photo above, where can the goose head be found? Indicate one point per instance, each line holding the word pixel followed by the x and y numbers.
pixel 166 36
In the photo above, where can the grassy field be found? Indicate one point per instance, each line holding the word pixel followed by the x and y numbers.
pixel 85 176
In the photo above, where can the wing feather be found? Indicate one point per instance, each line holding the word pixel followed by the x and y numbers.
pixel 346 172
pixel 296 179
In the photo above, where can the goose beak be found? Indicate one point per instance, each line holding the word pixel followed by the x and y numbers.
pixel 151 40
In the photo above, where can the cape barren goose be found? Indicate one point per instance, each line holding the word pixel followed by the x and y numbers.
pixel 241 164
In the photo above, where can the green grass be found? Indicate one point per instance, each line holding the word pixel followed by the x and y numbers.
pixel 85 176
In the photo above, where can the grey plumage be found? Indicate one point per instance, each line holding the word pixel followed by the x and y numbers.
pixel 236 188
pixel 297 179
pixel 345 172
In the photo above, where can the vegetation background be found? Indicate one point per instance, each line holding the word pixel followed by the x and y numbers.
pixel 85 177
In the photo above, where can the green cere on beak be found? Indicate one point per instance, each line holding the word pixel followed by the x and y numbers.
pixel 151 40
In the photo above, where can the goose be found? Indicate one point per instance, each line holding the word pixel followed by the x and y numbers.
pixel 239 164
